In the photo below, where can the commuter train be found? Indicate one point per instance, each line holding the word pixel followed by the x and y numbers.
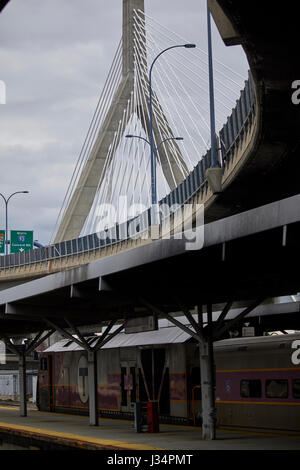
pixel 257 379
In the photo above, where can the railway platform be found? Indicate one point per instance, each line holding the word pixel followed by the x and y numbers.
pixel 51 431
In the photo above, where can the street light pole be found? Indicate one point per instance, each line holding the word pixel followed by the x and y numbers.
pixel 214 173
pixel 152 155
pixel 6 215
pixel 154 152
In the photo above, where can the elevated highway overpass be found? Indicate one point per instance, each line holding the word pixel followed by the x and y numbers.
pixel 269 36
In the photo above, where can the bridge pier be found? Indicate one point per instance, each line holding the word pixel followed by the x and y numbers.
pixel 207 380
pixel 21 350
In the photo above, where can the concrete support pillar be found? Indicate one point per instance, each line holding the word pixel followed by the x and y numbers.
pixel 22 384
pixel 93 388
pixel 208 382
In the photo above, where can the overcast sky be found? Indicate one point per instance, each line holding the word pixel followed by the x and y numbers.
pixel 54 58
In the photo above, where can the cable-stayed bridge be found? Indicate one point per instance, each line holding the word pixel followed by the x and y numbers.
pixel 115 171
pixel 93 272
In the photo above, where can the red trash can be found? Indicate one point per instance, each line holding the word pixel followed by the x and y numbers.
pixel 152 415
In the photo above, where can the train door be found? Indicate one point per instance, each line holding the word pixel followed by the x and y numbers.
pixel 154 378
pixel 50 382
pixel 128 385
pixel 194 395
pixel 45 387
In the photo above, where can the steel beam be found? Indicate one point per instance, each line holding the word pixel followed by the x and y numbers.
pixel 37 341
pixel 77 332
pixel 76 292
pixel 108 338
pixel 170 318
pixel 63 332
pixel 104 286
pixel 223 315
pixel 221 329
pixel 190 318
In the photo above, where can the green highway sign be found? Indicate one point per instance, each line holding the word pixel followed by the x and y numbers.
pixel 2 242
pixel 21 240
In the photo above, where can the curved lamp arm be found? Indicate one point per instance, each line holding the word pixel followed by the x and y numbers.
pixel 6 214
pixel 130 136
pixel 165 140
pixel 153 166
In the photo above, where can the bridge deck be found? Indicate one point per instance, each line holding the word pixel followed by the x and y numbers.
pixel 248 256
pixel 53 429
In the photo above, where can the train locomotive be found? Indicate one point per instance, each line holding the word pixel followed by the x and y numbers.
pixel 257 379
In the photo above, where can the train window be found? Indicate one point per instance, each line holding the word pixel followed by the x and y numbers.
pixel 44 363
pixel 277 388
pixel 296 388
pixel 194 388
pixel 195 376
pixel 250 388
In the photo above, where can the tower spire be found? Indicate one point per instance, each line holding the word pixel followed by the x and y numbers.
pixel 128 33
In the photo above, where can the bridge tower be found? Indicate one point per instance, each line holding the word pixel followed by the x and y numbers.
pixel 92 174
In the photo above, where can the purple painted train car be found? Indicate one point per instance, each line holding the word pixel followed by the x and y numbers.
pixel 257 378
pixel 258 382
